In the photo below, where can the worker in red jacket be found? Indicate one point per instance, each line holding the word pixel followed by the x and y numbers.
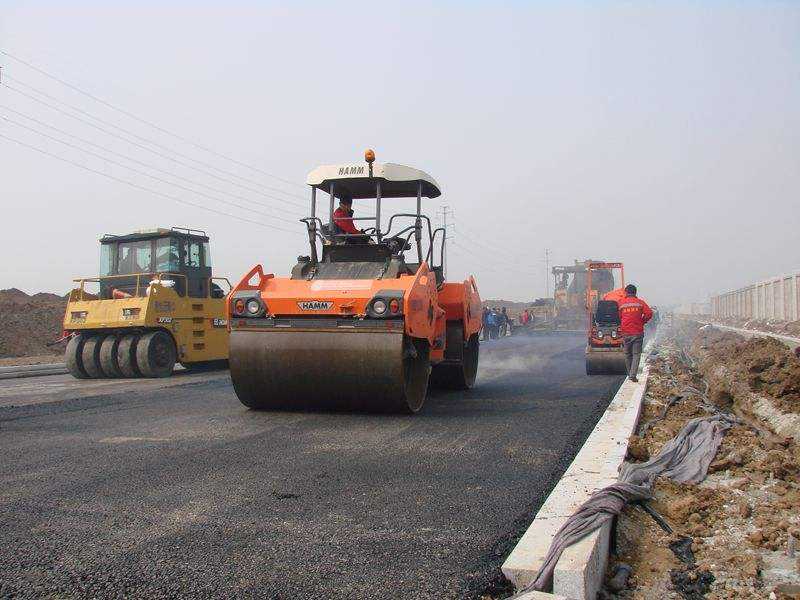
pixel 633 314
pixel 343 217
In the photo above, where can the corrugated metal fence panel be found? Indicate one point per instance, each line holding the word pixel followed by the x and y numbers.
pixel 794 285
pixel 777 298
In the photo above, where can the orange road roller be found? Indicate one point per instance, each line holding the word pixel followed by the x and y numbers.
pixel 605 353
pixel 366 321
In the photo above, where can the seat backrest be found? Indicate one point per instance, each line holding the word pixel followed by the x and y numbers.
pixel 337 253
pixel 607 313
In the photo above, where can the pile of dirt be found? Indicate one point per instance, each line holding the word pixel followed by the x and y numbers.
pixel 30 322
pixel 733 534
pixel 737 369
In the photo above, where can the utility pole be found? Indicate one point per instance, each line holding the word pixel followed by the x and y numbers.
pixel 547 272
pixel 443 213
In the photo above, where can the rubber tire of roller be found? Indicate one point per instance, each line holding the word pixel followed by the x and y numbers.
pixel 108 356
pixel 417 373
pixel 458 376
pixel 73 356
pixel 156 354
pixel 126 355
pixel 91 356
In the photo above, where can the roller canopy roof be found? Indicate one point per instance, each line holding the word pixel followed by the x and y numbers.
pixel 397 181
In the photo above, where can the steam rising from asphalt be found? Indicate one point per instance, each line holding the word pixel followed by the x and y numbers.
pixel 497 364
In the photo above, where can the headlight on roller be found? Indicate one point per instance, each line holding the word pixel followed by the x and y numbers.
pixel 249 307
pixel 253 307
pixel 599 334
pixel 379 306
pixel 386 304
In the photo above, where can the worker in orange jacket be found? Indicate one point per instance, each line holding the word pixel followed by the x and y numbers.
pixel 633 314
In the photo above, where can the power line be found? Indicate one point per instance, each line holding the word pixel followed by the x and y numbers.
pixel 505 256
pixel 138 172
pixel 148 141
pixel 476 239
pixel 489 265
pixel 547 272
pixel 145 121
pixel 133 160
pixel 145 189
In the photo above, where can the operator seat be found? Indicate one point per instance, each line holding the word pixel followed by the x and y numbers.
pixel 607 313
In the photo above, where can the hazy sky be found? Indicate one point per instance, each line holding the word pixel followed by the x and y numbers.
pixel 663 134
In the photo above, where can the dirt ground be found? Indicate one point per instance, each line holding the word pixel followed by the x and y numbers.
pixel 791 328
pixel 737 534
pixel 29 323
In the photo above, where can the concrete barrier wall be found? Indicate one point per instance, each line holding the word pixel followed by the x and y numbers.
pixel 776 298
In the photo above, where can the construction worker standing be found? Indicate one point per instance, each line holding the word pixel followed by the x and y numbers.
pixel 633 314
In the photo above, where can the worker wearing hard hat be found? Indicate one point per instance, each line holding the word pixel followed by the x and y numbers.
pixel 633 314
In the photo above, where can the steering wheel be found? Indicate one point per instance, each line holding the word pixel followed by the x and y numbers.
pixel 397 244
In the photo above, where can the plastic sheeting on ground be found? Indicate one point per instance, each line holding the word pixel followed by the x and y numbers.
pixel 685 459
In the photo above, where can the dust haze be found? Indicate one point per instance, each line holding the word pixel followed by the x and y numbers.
pixel 664 135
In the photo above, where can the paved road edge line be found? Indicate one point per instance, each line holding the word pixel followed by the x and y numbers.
pixel 579 572
pixel 33 371
pixel 36 367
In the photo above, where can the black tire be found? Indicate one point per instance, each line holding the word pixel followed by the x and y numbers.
pixel 460 367
pixel 91 356
pixel 73 356
pixel 416 373
pixel 156 354
pixel 108 356
pixel 126 355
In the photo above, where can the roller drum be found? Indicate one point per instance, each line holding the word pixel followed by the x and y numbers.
pixel 606 362
pixel 339 370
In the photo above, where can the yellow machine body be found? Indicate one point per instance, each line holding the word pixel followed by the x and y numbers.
pixel 156 304
pixel 198 325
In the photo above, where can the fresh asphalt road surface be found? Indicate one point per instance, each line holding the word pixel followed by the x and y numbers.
pixel 181 491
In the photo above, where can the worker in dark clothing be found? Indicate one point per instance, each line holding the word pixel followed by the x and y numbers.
pixel 493 324
pixel 485 322
pixel 343 217
pixel 633 314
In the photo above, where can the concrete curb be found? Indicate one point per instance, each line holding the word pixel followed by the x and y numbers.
pixel 32 370
pixel 541 596
pixel 579 572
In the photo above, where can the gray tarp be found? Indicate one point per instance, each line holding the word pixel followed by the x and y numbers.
pixel 685 459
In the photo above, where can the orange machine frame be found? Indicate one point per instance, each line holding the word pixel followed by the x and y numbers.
pixel 591 298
